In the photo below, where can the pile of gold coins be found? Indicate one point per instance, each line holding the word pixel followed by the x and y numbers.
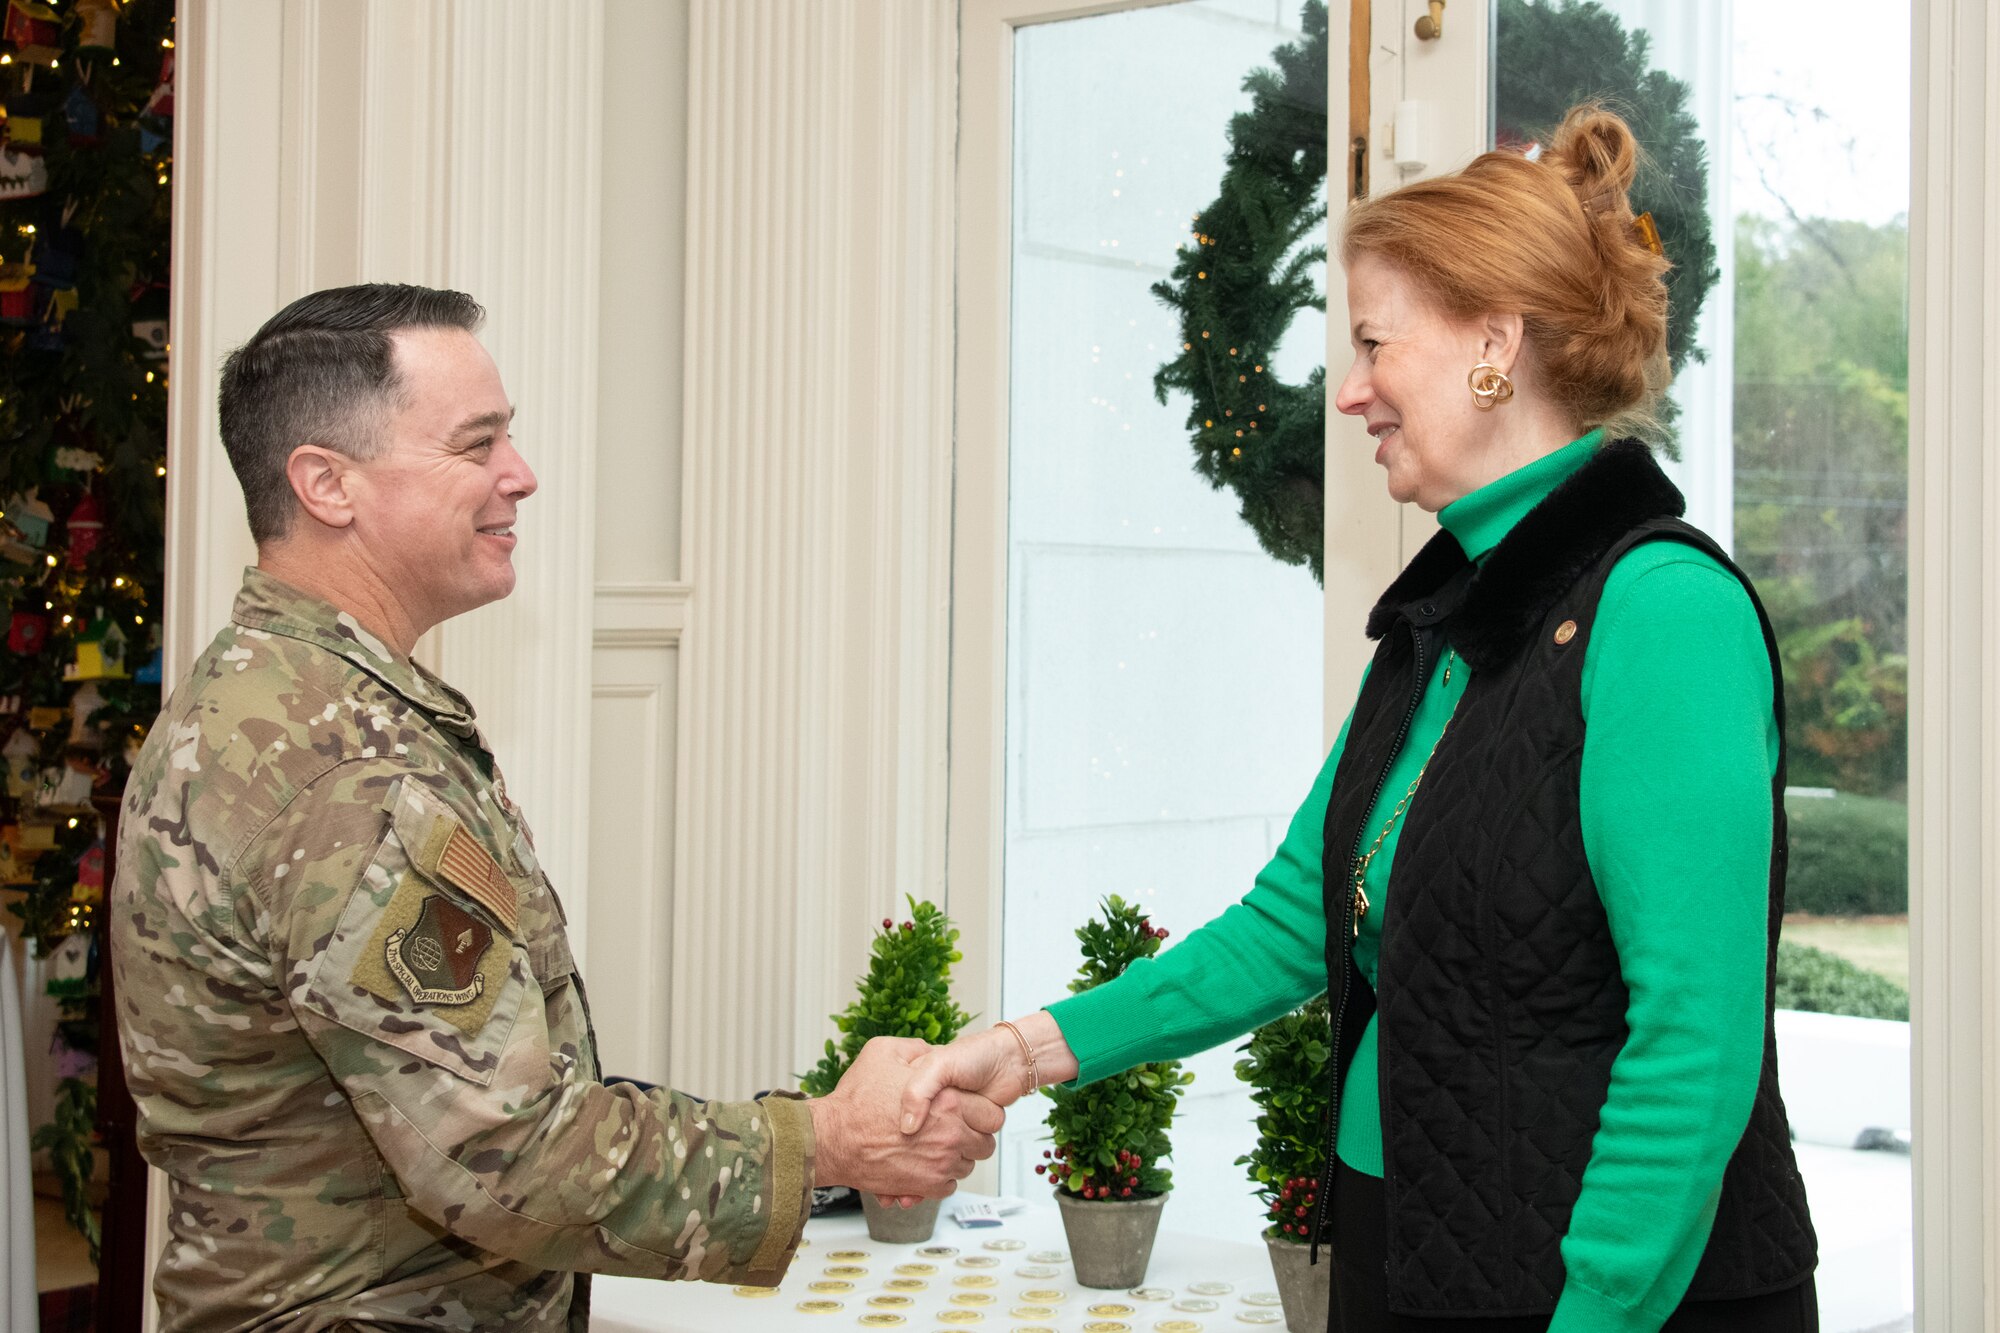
pixel 1031 1299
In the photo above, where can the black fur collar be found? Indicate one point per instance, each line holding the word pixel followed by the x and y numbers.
pixel 1511 591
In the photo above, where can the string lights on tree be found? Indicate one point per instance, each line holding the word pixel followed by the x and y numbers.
pixel 86 88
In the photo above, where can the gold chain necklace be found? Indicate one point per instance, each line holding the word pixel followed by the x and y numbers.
pixel 1361 866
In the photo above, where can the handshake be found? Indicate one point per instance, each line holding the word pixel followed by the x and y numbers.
pixel 909 1119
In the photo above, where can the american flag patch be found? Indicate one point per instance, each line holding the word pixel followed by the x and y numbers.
pixel 465 865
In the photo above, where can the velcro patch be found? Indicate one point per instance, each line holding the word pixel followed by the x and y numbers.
pixel 437 959
pixel 465 865
pixel 429 952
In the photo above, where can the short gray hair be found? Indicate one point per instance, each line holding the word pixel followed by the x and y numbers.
pixel 321 371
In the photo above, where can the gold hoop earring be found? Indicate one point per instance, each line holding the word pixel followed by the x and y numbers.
pixel 1490 386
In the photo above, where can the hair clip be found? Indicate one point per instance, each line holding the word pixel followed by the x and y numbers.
pixel 1649 234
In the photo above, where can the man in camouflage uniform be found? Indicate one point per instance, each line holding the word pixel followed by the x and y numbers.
pixel 358 1042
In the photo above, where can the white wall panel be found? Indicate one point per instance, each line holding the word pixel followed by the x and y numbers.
pixel 521 212
pixel 815 516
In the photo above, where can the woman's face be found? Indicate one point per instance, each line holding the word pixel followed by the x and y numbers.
pixel 1408 382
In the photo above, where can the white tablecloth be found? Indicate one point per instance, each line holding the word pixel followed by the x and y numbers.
pixel 1180 1262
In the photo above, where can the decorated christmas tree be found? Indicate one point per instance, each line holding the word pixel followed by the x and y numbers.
pixel 85 175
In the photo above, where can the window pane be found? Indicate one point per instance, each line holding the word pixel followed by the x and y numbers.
pixel 1163 672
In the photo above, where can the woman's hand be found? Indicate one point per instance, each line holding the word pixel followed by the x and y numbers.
pixel 992 1064
pixel 996 1064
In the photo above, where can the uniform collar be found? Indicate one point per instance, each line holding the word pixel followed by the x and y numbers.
pixel 1481 519
pixel 264 603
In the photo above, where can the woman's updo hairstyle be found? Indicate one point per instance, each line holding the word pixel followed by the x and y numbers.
pixel 1554 241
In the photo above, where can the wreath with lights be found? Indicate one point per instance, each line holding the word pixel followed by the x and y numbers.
pixel 1251 262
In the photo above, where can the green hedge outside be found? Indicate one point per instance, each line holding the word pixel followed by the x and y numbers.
pixel 1812 980
pixel 1850 856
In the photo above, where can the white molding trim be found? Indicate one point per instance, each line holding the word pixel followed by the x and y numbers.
pixel 1954 524
pixel 640 615
pixel 632 781
pixel 818 325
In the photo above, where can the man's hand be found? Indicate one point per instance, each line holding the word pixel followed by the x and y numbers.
pixel 861 1143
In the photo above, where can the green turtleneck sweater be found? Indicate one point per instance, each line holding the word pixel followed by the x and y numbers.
pixel 1681 744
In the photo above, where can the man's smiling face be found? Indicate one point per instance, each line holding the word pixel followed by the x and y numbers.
pixel 436 510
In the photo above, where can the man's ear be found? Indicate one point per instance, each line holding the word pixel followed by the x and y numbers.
pixel 1502 337
pixel 319 477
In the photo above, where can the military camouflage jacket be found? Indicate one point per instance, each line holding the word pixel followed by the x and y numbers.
pixel 358 1044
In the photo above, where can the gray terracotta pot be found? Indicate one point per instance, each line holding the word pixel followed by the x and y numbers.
pixel 1305 1287
pixel 1110 1240
pixel 900 1226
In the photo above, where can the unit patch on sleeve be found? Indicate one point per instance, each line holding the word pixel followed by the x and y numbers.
pixel 431 953
pixel 438 958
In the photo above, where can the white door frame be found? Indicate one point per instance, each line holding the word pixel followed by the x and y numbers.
pixel 1955 561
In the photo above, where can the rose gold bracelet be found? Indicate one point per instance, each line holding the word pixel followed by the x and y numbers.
pixel 1034 1074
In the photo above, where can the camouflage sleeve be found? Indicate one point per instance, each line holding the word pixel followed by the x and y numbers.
pixel 453 1023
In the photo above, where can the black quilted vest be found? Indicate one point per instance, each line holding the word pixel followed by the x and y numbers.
pixel 1501 1001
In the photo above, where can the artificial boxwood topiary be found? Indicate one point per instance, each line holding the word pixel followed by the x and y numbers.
pixel 1289 1070
pixel 906 993
pixel 1111 1135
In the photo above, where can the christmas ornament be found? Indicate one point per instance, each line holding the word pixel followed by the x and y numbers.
pixel 22 175
pixel 74 459
pixel 150 673
pixel 31 518
pixel 44 719
pixel 100 26
pixel 82 117
pixel 100 653
pixel 16 867
pixel 17 295
pixel 35 30
pixel 86 529
pixel 74 782
pixel 161 103
pixel 27 631
pixel 90 874
pixel 82 705
pixel 62 302
pixel 21 756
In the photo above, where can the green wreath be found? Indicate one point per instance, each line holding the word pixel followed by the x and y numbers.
pixel 1247 272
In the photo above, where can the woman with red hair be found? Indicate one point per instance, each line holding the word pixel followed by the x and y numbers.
pixel 1541 873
